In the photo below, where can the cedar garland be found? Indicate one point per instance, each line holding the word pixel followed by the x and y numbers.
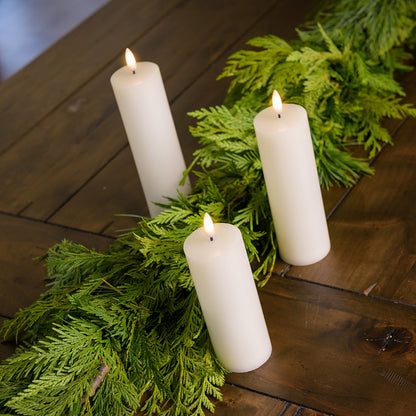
pixel 133 306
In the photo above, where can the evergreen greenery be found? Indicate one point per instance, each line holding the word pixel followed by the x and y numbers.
pixel 133 308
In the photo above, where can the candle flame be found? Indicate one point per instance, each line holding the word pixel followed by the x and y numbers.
pixel 277 102
pixel 130 59
pixel 209 226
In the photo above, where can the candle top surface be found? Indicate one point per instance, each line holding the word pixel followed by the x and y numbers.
pixel 198 244
pixel 291 115
pixel 143 71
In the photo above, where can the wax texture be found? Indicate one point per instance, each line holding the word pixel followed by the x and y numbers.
pixel 228 297
pixel 147 119
pixel 292 184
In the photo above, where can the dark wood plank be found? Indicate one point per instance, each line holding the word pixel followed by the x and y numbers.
pixel 294 410
pixel 241 402
pixel 104 203
pixel 373 231
pixel 22 240
pixel 116 189
pixel 335 194
pixel 76 58
pixel 85 132
pixel 337 351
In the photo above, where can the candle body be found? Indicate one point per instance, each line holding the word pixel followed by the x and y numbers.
pixel 151 132
pixel 228 297
pixel 292 184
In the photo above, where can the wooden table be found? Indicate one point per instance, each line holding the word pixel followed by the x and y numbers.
pixel 339 346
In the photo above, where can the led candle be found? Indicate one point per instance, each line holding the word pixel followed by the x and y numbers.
pixel 292 182
pixel 228 296
pixel 147 119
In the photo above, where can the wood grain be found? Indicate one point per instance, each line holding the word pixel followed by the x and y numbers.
pixel 115 189
pixel 294 410
pixel 337 351
pixel 64 158
pixel 85 132
pixel 242 402
pixel 22 240
pixel 373 231
pixel 76 58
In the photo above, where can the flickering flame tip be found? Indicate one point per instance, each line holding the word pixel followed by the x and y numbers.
pixel 130 60
pixel 277 103
pixel 209 226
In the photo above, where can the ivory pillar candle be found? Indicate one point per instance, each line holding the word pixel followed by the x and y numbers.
pixel 292 183
pixel 228 296
pixel 147 119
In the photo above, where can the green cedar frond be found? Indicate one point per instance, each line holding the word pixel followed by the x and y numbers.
pixel 378 27
pixel 133 307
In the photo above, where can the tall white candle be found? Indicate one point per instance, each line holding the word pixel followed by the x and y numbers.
pixel 228 296
pixel 292 183
pixel 147 119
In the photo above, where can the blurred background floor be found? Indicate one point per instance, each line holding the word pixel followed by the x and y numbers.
pixel 28 27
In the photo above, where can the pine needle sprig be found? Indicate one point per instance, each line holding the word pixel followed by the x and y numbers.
pixel 345 93
pixel 252 71
pixel 379 27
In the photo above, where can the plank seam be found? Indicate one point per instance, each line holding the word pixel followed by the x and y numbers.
pixel 171 102
pixel 74 92
pixel 289 402
pixel 87 80
pixel 66 227
pixel 225 52
pixel 349 190
pixel 60 206
pixel 340 289
pixel 371 162
pixel 285 409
